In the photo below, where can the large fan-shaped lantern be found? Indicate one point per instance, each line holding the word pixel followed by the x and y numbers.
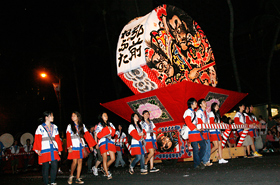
pixel 162 48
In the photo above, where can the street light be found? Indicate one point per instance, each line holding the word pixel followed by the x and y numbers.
pixel 43 75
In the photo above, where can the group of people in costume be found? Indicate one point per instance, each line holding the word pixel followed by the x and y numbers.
pixel 48 145
pixel 201 139
pixel 141 136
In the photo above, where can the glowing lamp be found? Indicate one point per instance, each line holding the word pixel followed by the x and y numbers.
pixel 43 75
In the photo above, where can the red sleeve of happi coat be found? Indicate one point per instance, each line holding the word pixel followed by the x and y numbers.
pixel 135 135
pixel 188 121
pixel 68 140
pixel 199 121
pixel 37 145
pixel 88 137
pixel 212 120
pixel 59 143
pixel 104 132
pixel 247 120
pixel 237 121
pixel 257 122
pixel 145 133
pixel 113 131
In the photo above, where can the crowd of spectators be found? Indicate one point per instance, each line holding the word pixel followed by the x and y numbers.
pixel 267 134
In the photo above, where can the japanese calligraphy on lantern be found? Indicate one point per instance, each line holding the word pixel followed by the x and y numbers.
pixel 130 45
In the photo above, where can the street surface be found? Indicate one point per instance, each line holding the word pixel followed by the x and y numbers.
pixel 265 170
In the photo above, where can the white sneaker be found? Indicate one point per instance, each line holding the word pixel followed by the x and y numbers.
pixel 95 171
pixel 109 176
pixel 59 171
pixel 154 169
pixel 131 170
pixel 144 172
pixel 222 161
pixel 109 173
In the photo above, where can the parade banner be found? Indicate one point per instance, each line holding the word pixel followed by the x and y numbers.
pixel 162 48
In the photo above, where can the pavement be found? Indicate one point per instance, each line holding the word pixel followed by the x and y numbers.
pixel 264 170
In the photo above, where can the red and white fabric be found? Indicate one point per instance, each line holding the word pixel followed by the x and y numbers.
pixel 191 121
pixel 215 134
pixel 150 128
pixel 49 147
pixel 76 143
pixel 105 135
pixel 137 147
pixel 119 145
pixel 202 119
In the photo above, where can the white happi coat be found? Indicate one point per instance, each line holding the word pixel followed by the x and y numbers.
pixel 99 129
pixel 76 140
pixel 46 140
pixel 149 129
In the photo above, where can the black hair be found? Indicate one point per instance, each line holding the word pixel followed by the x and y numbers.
pixel 190 102
pixel 247 106
pixel 238 106
pixel 90 126
pixel 44 115
pixel 121 131
pixel 224 119
pixel 251 113
pixel 102 121
pixel 183 16
pixel 229 118
pixel 145 111
pixel 132 121
pixel 80 125
pixel 216 114
pixel 200 102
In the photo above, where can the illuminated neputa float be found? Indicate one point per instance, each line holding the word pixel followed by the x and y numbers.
pixel 165 58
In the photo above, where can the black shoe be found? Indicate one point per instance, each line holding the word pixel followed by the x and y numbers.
pixel 202 166
pixel 197 167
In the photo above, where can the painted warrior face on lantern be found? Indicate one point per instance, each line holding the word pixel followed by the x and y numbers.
pixel 178 29
pixel 162 64
pixel 166 142
pixel 180 26
pixel 213 76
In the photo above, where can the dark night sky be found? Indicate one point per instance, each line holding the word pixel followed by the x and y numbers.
pixel 57 35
